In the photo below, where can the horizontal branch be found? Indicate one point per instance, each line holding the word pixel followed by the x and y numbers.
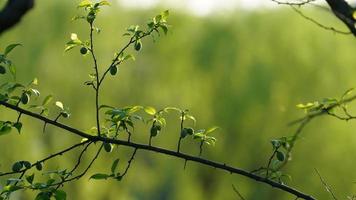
pixel 183 156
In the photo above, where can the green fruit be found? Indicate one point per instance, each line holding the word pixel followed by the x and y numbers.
pixel 108 147
pixel 91 17
pixel 26 164
pixel 83 50
pixel 17 166
pixel 155 130
pixel 183 133
pixel 190 131
pixel 39 166
pixel 2 69
pixel 65 114
pixel 113 70
pixel 138 45
pixel 25 98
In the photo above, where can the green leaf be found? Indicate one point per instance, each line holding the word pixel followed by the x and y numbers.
pixel 85 4
pixel 191 118
pixel 104 3
pixel 127 57
pixel 9 48
pixel 150 110
pixel 12 70
pixel 30 178
pixel 43 196
pixel 59 105
pixel 18 126
pixel 60 195
pixel 39 166
pixel 210 130
pixel 167 109
pixel 114 165
pixel 100 176
pixel 47 100
pixel 2 70
pixel 5 129
pixel 26 164
pixel 280 156
pixel 17 166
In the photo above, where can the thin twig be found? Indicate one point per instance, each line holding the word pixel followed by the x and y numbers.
pixel 237 192
pixel 327 187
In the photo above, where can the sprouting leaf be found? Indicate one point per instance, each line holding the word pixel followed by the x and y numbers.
pixel 304 106
pixel 114 165
pixel 127 57
pixel 167 109
pixel 191 118
pixel 59 105
pixel 104 3
pixel 85 4
pixel 47 100
pixel 36 92
pixel 9 48
pixel 347 92
pixel 12 70
pixel 150 110
pixel 34 82
pixel 210 130
pixel 100 176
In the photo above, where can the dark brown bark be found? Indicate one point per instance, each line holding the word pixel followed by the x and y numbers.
pixel 344 12
pixel 13 12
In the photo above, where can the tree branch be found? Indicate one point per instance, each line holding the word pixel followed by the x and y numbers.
pixel 175 154
pixel 12 13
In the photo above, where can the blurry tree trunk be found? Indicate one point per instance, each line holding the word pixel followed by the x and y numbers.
pixel 344 12
pixel 12 13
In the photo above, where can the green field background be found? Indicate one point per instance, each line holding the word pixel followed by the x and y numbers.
pixel 243 72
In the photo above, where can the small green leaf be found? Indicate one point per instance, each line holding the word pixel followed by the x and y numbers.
pixel 17 166
pixel 12 70
pixel 26 164
pixel 5 129
pixel 127 57
pixel 210 130
pixel 150 110
pixel 30 178
pixel 84 4
pixel 59 105
pixel 18 126
pixel 114 166
pixel 10 48
pixel 47 100
pixel 100 176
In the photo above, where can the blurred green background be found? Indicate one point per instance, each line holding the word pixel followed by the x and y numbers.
pixel 243 71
